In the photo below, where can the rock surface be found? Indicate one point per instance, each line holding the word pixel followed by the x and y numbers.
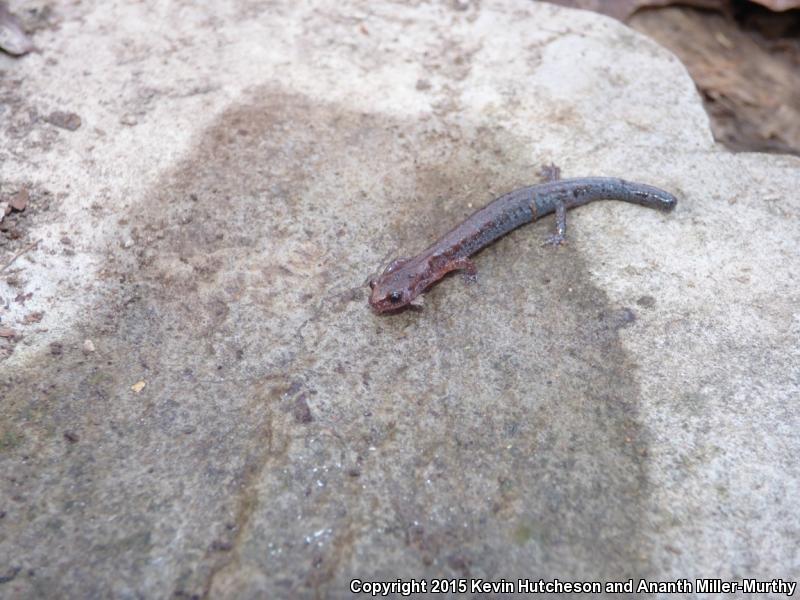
pixel 622 407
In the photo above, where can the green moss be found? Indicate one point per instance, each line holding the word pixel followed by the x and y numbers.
pixel 9 440
pixel 523 533
pixel 100 380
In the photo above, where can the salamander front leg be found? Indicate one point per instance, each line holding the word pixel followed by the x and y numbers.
pixel 470 273
pixel 559 237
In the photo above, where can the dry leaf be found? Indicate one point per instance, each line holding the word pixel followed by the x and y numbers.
pixel 7 332
pixel 138 386
pixel 779 5
pixel 622 9
pixel 750 91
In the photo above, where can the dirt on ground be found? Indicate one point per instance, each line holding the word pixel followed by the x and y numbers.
pixel 743 57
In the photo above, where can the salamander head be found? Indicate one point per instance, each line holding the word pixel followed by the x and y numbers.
pixel 394 288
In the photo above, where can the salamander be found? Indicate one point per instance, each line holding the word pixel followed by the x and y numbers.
pixel 404 279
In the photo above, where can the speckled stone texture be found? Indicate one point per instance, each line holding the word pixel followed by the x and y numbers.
pixel 208 408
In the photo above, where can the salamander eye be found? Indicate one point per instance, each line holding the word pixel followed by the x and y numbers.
pixel 395 297
pixel 372 284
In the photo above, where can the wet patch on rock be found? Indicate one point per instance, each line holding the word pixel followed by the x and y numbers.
pixel 495 433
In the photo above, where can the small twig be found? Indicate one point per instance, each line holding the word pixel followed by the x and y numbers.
pixel 20 253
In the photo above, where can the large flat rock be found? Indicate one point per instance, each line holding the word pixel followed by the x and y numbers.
pixel 621 407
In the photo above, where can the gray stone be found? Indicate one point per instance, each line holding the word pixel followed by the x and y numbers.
pixel 621 407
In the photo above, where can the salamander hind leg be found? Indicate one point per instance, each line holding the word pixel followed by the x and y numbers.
pixel 550 173
pixel 560 236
